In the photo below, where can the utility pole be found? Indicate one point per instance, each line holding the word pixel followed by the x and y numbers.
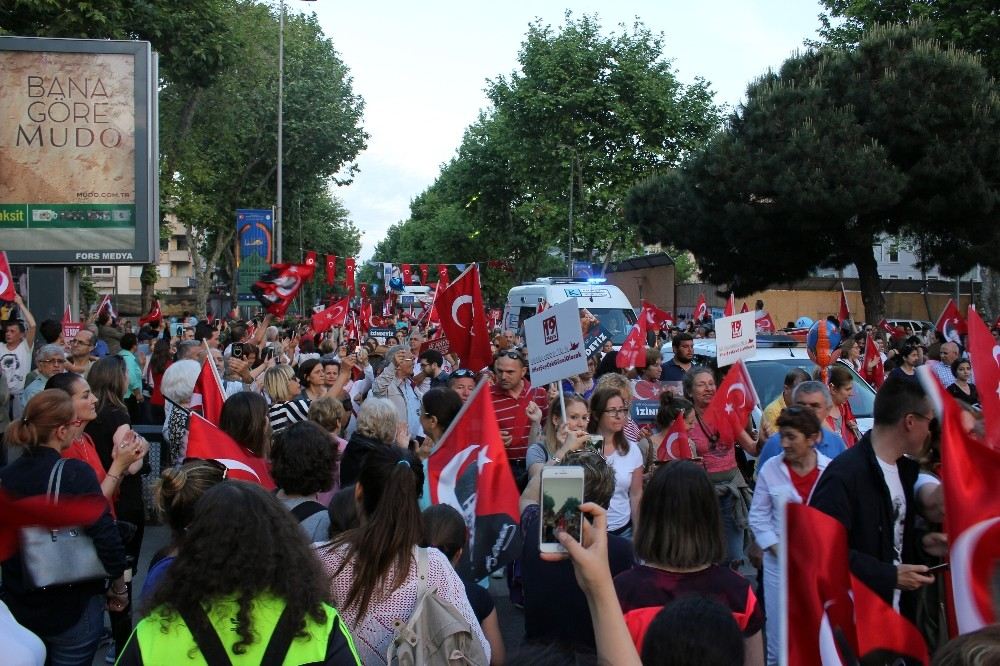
pixel 278 213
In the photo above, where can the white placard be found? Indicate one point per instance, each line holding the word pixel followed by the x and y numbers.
pixel 555 343
pixel 735 338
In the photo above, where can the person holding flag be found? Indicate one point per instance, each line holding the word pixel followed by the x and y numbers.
pixel 789 477
pixel 15 357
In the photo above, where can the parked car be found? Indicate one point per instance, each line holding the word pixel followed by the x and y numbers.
pixel 911 326
pixel 776 355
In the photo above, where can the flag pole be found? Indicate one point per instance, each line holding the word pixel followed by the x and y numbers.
pixel 562 406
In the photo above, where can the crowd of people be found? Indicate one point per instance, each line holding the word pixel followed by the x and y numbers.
pixel 337 556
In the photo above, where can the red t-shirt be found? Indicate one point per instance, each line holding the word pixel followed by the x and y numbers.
pixel 803 483
pixel 511 415
pixel 83 449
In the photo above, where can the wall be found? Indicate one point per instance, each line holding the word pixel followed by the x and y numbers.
pixel 653 284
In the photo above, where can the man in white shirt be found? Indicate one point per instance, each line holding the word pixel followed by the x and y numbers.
pixel 15 359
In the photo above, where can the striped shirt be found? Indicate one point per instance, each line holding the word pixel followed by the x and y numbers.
pixel 511 415
pixel 283 414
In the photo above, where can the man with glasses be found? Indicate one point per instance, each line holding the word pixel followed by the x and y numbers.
pixel 870 489
pixel 814 396
pixel 395 383
pixel 431 373
pixel 51 360
pixel 520 407
pixel 81 349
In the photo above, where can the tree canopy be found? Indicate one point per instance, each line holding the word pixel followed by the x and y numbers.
pixel 585 113
pixel 897 135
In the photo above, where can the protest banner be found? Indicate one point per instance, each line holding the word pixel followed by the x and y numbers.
pixel 596 338
pixel 381 334
pixel 735 338
pixel 437 344
pixel 555 343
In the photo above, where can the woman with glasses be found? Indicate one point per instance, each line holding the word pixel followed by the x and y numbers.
pixel 562 435
pixel 68 618
pixel 607 419
pixel 719 458
pixel 787 477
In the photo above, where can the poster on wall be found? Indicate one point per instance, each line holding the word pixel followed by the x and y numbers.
pixel 78 151
pixel 254 229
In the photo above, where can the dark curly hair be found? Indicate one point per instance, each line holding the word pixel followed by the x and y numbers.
pixel 302 459
pixel 242 543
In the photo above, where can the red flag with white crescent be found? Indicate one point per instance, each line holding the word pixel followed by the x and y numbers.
pixel 7 292
pixel 655 317
pixel 468 470
pixel 335 315
pixel 950 323
pixel 730 409
pixel 407 273
pixel 633 351
pixel 872 367
pixel 331 269
pixel 765 324
pixel 701 309
pixel 424 273
pixel 209 442
pixel 985 355
pixel 208 388
pixel 443 275
pixel 675 445
pixel 463 318
pixel 349 275
pixel 154 313
pixel 277 288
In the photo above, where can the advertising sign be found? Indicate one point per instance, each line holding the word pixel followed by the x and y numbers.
pixel 78 151
pixel 735 338
pixel 555 343
pixel 254 229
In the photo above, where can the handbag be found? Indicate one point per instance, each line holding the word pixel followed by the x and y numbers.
pixel 59 556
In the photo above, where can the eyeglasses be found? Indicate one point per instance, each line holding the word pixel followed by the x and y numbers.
pixel 931 420
pixel 53 360
pixel 621 411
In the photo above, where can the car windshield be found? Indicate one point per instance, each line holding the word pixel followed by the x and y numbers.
pixel 769 378
pixel 618 322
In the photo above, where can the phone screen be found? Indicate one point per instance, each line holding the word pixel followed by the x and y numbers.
pixel 561 499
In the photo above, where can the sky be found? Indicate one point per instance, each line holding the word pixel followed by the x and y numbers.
pixel 422 69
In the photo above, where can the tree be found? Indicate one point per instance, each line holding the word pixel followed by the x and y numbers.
pixel 895 136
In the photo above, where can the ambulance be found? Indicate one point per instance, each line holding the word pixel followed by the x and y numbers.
pixel 605 301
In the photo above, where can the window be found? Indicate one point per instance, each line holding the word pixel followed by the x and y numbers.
pixel 164 270
pixel 182 242
pixel 894 255
pixel 164 244
pixel 102 271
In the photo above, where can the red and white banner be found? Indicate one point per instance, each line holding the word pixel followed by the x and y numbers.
pixel 424 274
pixel 633 351
pixel 349 276
pixel 730 409
pixel 69 327
pixel 701 309
pixel 331 269
pixel 463 318
pixel 407 274
pixel 7 292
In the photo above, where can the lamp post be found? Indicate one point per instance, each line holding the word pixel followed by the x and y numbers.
pixel 279 213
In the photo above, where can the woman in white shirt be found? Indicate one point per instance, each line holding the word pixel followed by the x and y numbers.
pixel 373 569
pixel 788 477
pixel 607 419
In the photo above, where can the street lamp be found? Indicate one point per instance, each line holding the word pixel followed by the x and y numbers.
pixel 278 216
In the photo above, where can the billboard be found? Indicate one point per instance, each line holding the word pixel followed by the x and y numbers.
pixel 78 151
pixel 254 236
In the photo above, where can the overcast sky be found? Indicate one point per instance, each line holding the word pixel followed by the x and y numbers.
pixel 421 68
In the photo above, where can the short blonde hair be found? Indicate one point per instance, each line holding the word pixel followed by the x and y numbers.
pixel 615 381
pixel 328 413
pixel 276 382
pixel 377 419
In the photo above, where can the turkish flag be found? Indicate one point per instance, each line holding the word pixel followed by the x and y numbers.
pixel 424 272
pixel 104 304
pixel 675 445
pixel 701 309
pixel 277 288
pixel 730 306
pixel 443 275
pixel 7 292
pixel 468 470
pixel 765 324
pixel 208 391
pixel 730 408
pixel 38 511
pixel 845 312
pixel 985 356
pixel 633 351
pixel 208 442
pixel 466 328
pixel 349 275
pixel 331 269
pixel 744 308
pixel 310 262
pixel 335 315
pixel 969 473
pixel 950 323
pixel 887 327
pixel 655 317
pixel 827 609
pixel 153 315
pixel 876 374
pixel 407 273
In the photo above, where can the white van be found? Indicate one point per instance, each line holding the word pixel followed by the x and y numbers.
pixel 604 301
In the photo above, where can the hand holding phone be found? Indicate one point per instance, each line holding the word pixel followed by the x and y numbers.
pixel 561 495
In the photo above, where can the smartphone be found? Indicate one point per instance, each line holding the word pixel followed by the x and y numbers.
pixel 937 567
pixel 238 350
pixel 595 443
pixel 267 353
pixel 562 495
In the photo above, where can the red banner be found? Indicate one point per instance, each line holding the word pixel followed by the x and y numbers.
pixel 349 275
pixel 424 272
pixel 407 273
pixel 331 269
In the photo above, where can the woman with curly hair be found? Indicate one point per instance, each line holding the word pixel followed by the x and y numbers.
pixel 303 459
pixel 221 597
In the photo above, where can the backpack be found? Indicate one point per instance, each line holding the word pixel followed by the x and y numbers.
pixel 436 632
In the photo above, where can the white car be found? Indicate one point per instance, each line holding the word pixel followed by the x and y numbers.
pixel 776 355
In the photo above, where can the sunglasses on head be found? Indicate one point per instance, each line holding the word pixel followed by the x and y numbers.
pixel 462 372
pixel 510 353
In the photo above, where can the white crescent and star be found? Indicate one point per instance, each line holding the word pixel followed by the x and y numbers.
pixel 459 302
pixel 738 386
pixel 4 282
pixel 670 444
